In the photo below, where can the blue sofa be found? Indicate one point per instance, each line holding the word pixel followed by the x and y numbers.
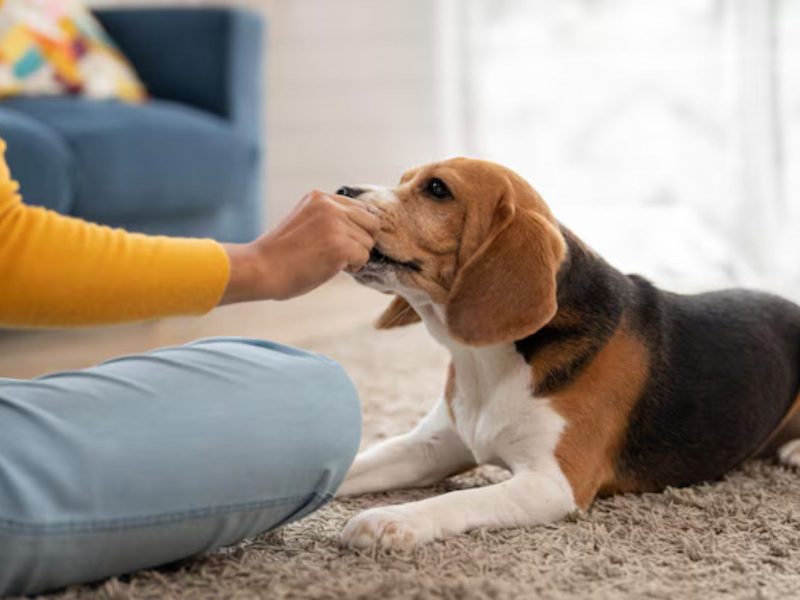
pixel 187 162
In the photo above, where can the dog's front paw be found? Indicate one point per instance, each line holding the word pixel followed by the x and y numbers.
pixel 789 453
pixel 390 528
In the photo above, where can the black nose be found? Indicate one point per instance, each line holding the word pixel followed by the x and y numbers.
pixel 349 192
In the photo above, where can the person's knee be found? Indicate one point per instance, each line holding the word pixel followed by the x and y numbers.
pixel 332 408
pixel 338 418
pixel 315 406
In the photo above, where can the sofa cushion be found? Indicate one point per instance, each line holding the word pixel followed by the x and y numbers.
pixel 60 48
pixel 140 161
pixel 39 160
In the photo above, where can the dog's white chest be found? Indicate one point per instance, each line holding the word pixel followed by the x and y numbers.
pixel 496 415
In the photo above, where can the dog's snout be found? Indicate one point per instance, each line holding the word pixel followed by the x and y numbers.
pixel 350 192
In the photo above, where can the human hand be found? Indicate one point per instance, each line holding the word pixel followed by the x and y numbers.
pixel 324 234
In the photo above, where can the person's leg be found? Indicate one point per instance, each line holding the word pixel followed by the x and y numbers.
pixel 148 459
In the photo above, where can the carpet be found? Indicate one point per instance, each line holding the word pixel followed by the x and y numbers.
pixel 736 538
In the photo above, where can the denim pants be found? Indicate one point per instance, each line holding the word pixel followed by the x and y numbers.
pixel 148 459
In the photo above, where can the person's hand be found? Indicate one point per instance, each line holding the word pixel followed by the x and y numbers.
pixel 324 234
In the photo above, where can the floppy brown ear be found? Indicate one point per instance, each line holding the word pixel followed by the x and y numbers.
pixel 507 289
pixel 398 314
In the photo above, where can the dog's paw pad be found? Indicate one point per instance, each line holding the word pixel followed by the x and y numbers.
pixel 789 453
pixel 383 528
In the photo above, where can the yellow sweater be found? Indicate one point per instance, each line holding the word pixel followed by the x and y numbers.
pixel 61 271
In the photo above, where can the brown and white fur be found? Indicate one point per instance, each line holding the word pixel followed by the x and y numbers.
pixel 580 380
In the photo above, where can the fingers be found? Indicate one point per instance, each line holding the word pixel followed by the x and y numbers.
pixel 356 248
pixel 358 257
pixel 346 201
pixel 361 237
pixel 342 225
pixel 333 206
pixel 358 213
pixel 365 220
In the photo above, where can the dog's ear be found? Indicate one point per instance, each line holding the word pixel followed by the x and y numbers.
pixel 507 289
pixel 398 314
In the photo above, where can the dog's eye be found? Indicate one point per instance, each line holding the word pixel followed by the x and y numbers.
pixel 438 189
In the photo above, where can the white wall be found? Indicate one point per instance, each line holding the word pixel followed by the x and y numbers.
pixel 351 92
pixel 659 132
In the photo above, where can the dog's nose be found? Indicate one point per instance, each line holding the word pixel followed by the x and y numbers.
pixel 350 192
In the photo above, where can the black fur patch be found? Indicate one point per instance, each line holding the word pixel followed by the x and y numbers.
pixel 724 366
pixel 588 288
pixel 725 370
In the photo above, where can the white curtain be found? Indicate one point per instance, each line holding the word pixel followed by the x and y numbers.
pixel 666 134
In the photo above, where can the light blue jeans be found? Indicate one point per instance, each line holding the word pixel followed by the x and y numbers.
pixel 148 459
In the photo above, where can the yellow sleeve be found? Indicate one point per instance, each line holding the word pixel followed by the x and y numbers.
pixel 61 271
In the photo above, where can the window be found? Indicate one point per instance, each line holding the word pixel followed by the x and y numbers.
pixel 665 134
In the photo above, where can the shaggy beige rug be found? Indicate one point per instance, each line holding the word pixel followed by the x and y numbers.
pixel 738 538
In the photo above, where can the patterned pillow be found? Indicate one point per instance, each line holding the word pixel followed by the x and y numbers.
pixel 52 47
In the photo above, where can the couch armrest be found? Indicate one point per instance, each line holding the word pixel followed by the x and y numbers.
pixel 210 58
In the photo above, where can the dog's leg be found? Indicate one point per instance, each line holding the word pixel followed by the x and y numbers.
pixel 789 453
pixel 527 498
pixel 425 455
pixel 786 443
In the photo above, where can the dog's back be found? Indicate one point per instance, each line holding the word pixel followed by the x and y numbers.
pixel 725 372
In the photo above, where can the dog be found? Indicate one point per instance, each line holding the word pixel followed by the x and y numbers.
pixel 581 380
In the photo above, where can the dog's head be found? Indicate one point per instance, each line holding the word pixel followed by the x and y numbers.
pixel 470 236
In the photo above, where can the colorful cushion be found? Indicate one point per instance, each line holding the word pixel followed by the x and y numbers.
pixel 52 47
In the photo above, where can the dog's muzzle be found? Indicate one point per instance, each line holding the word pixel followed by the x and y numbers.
pixel 349 192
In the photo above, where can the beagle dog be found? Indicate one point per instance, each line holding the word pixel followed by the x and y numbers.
pixel 579 379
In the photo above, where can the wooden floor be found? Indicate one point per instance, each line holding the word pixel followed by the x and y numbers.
pixel 337 306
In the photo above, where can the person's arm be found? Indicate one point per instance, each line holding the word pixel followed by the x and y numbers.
pixel 61 271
